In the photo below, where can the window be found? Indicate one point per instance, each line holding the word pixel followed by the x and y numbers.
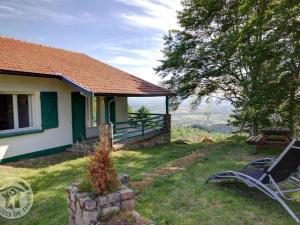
pixel 15 111
pixel 23 111
pixel 6 112
pixel 92 108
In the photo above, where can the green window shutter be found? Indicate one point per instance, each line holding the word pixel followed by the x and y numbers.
pixel 49 110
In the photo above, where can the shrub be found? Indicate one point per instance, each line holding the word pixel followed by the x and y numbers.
pixel 142 112
pixel 101 171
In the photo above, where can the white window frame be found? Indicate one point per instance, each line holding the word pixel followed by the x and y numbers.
pixel 32 112
pixel 88 112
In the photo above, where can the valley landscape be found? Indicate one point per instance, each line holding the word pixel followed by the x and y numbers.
pixel 212 116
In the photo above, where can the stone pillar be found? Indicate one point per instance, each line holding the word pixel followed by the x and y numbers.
pixel 106 135
pixel 168 126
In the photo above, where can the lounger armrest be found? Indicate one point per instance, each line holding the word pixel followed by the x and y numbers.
pixel 262 162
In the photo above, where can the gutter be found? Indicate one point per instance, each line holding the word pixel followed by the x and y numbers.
pixel 83 90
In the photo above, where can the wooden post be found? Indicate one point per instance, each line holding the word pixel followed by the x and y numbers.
pixel 168 127
pixel 143 127
pixel 98 111
pixel 106 110
pixel 167 104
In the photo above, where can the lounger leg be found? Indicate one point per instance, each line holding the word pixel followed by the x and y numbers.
pixel 276 196
pixel 254 183
pixel 288 209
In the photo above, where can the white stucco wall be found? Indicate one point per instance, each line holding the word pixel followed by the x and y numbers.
pixel 50 138
pixel 121 109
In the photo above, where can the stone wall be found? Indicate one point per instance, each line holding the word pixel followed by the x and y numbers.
pixel 87 210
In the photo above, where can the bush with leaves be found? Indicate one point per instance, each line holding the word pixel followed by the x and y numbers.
pixel 143 112
pixel 101 171
pixel 243 51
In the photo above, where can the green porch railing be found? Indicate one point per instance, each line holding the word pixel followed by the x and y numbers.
pixel 138 125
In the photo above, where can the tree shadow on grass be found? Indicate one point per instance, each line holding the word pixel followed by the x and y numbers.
pixel 255 197
pixel 157 152
pixel 44 161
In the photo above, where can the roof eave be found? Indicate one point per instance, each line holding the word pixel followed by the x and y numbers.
pixel 135 94
pixel 85 91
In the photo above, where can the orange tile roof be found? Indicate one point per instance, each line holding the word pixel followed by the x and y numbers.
pixel 93 75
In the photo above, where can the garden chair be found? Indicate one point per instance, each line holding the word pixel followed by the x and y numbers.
pixel 261 163
pixel 271 179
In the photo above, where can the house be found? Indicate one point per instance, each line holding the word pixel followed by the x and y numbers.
pixel 51 98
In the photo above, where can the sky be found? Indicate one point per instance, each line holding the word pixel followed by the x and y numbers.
pixel 124 33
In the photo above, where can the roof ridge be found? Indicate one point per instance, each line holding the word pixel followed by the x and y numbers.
pixel 91 73
pixel 39 44
pixel 80 53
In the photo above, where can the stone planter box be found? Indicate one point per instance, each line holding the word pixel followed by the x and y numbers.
pixel 86 210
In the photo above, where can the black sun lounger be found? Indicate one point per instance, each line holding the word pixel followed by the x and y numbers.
pixel 282 169
pixel 261 163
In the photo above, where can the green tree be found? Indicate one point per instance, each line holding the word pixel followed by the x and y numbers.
pixel 287 47
pixel 232 49
pixel 143 112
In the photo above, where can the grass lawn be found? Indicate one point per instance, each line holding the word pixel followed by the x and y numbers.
pixel 182 199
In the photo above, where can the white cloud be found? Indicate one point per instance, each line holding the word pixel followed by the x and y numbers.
pixel 155 17
pixel 138 62
pixel 9 9
pixel 41 10
pixel 124 60
pixel 120 44
pixel 145 73
pixel 150 54
pixel 157 14
pixel 136 57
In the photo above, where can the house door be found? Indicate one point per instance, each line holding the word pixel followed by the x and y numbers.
pixel 112 111
pixel 78 117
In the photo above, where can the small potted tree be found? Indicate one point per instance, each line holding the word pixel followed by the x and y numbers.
pixel 102 195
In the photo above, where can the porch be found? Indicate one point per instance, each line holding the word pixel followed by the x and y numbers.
pixel 137 130
pixel 141 130
pixel 107 118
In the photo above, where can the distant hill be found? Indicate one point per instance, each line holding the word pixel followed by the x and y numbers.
pixel 212 116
